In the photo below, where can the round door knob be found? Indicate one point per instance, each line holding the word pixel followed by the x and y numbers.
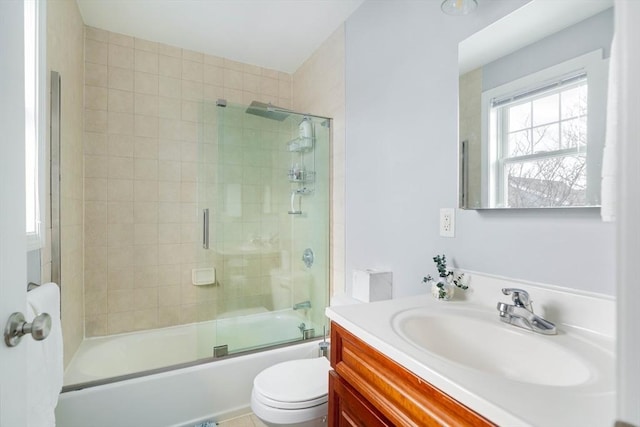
pixel 39 328
pixel 17 327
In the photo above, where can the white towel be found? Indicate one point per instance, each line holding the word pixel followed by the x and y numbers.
pixel 44 358
pixel 609 164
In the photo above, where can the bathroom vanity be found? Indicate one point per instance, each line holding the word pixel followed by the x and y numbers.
pixel 418 361
pixel 368 388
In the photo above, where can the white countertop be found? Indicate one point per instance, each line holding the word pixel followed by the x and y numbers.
pixel 502 400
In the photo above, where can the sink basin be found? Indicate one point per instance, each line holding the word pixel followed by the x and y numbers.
pixel 478 340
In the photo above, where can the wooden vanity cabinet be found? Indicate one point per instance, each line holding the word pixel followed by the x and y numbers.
pixel 367 389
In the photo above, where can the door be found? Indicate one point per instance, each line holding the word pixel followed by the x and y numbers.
pixel 13 276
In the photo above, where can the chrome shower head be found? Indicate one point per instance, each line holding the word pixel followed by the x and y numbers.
pixel 268 111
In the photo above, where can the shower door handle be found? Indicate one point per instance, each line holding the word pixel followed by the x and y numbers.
pixel 205 228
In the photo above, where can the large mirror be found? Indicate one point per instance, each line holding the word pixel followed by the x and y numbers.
pixel 533 92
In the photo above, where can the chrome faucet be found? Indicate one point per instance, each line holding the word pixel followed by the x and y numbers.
pixel 521 313
pixel 303 304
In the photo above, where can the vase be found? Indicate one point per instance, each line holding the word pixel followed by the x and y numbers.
pixel 442 289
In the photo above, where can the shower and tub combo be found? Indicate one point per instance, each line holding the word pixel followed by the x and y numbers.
pixel 257 278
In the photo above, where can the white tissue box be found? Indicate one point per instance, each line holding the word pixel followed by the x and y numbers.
pixel 372 285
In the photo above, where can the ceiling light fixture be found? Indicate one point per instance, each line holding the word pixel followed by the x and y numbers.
pixel 458 7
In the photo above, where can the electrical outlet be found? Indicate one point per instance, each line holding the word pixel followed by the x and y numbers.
pixel 447 222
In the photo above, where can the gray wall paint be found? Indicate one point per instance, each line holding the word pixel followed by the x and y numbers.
pixel 584 37
pixel 401 163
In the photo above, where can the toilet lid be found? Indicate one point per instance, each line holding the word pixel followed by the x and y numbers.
pixel 294 384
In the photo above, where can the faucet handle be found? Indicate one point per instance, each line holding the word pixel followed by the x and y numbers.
pixel 520 297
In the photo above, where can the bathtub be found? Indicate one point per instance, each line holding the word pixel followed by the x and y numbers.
pixel 177 398
pixel 104 357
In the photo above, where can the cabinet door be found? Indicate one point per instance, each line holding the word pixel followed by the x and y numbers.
pixel 347 408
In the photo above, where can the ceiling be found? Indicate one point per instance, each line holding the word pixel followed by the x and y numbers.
pixel 276 34
pixel 528 24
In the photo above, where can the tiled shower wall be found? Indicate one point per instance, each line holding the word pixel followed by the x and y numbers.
pixel 319 87
pixel 140 166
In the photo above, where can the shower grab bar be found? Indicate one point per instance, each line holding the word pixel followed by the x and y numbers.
pixel 205 228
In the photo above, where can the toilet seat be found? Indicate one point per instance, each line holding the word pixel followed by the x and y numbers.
pixel 295 384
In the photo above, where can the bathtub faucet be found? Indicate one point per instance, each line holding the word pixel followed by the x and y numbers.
pixel 521 313
pixel 303 304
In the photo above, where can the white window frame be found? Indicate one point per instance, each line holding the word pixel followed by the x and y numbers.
pixel 595 68
pixel 35 120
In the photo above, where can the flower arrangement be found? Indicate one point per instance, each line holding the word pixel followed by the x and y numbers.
pixel 443 288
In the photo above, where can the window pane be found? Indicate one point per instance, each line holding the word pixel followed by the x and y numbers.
pixel 546 138
pixel 574 102
pixel 519 117
pixel 555 181
pixel 519 143
pixel 574 133
pixel 546 110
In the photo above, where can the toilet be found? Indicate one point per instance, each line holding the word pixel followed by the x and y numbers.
pixel 292 393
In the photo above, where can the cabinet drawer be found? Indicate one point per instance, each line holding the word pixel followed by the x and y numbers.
pixel 349 409
pixel 399 395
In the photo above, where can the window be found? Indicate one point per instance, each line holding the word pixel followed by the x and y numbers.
pixel 539 134
pixel 542 143
pixel 34 61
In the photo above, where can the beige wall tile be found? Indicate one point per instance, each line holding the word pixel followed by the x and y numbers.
pixel 120 123
pixel 214 60
pixel 191 90
pixel 146 126
pixel 146 169
pixel 169 50
pixel 95 143
pixel 119 190
pixel 192 70
pixel 120 145
pixel 96 75
pixel 145 234
pixel 120 39
pixel 169 212
pixel 169 66
pixel 146 105
pixel 95 121
pixel 146 62
pixel 169 170
pixel 120 235
pixel 145 147
pixel 120 56
pixel 96 167
pixel 213 75
pixel 97 34
pixel 145 212
pixel 120 78
pixel 95 189
pixel 120 167
pixel 146 191
pixel 120 101
pixel 169 87
pixel 192 55
pixel 96 52
pixel 120 212
pixel 146 277
pixel 146 83
pixel 120 278
pixel 168 149
pixel 232 78
pixel 145 45
pixel 169 108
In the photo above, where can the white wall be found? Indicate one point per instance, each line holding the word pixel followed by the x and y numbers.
pixel 401 157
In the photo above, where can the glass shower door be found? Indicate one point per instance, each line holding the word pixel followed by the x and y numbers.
pixel 265 185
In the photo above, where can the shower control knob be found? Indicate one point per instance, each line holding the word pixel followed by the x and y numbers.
pixel 17 327
pixel 308 257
